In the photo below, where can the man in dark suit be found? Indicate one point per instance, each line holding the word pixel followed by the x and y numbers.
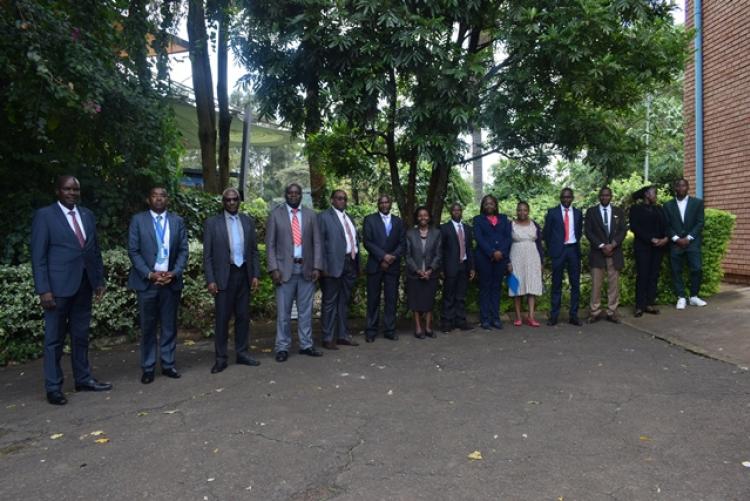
pixel 68 268
pixel 295 258
pixel 685 229
pixel 340 270
pixel 562 235
pixel 384 238
pixel 605 228
pixel 458 269
pixel 232 268
pixel 158 250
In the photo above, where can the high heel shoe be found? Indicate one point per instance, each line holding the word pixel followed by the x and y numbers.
pixel 419 335
pixel 532 323
pixel 518 323
pixel 430 334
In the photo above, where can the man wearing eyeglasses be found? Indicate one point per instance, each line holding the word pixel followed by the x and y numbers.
pixel 232 268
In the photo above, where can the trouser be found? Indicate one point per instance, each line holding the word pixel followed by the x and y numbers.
pixel 71 313
pixel 491 276
pixel 234 300
pixel 648 268
pixel 570 261
pixel 613 288
pixel 157 307
pixel 454 297
pixel 377 282
pixel 693 254
pixel 301 290
pixel 337 292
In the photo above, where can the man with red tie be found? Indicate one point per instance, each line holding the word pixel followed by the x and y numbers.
pixel 562 235
pixel 68 270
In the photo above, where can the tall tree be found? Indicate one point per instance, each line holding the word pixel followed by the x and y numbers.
pixel 222 16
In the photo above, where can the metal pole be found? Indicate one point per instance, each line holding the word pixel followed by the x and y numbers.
pixel 698 13
pixel 245 160
pixel 648 136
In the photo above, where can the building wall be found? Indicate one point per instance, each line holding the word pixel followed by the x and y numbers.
pixel 726 118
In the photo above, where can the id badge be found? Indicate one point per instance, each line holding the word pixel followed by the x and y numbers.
pixel 164 253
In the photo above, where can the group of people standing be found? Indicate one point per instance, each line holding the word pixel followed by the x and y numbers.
pixel 305 248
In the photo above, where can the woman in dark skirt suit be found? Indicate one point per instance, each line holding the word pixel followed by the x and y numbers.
pixel 493 234
pixel 423 255
pixel 649 225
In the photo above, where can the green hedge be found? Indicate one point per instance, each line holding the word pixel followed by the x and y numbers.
pixel 22 325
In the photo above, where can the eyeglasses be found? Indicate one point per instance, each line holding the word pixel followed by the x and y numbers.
pixel 231 199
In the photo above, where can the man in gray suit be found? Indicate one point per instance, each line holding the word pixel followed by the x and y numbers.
pixel 294 250
pixel 340 270
pixel 230 262
pixel 158 250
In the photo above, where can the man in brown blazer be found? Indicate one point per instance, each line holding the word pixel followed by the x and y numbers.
pixel 295 258
pixel 605 228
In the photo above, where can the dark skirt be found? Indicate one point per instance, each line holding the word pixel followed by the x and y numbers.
pixel 420 294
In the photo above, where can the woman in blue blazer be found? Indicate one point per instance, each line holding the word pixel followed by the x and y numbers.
pixel 493 234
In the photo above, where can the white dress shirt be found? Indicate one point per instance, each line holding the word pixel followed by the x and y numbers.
pixel 572 228
pixel 346 222
pixel 297 248
pixel 77 215
pixel 459 226
pixel 682 207
pixel 163 266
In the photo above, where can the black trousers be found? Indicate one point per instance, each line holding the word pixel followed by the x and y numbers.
pixel 454 298
pixel 337 292
pixel 647 267
pixel 388 284
pixel 693 255
pixel 235 300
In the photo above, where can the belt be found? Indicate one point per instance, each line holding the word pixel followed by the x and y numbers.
pixel 297 260
pixel 570 245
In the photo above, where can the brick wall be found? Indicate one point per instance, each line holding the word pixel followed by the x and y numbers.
pixel 726 121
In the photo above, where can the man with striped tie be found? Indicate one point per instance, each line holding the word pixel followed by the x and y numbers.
pixel 295 258
pixel 232 268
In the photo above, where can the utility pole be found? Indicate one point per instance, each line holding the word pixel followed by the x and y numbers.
pixel 648 136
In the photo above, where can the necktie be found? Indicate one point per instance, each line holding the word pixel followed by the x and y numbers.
pixel 461 244
pixel 606 220
pixel 296 231
pixel 567 225
pixel 237 254
pixel 160 254
pixel 349 237
pixel 77 229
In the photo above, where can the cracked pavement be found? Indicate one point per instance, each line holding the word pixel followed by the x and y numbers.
pixel 594 412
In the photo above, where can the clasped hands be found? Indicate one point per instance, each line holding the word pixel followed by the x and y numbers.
pixel 387 261
pixel 213 288
pixel 683 242
pixel 608 249
pixel 161 277
pixel 660 242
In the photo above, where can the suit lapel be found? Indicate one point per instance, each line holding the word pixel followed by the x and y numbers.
pixel 63 220
pixel 223 232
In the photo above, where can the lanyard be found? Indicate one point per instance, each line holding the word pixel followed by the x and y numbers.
pixel 160 231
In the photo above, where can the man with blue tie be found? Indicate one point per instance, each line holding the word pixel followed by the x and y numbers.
pixel 385 240
pixel 562 235
pixel 68 269
pixel 158 251
pixel 232 268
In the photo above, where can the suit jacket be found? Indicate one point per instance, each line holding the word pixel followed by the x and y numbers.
pixel 554 230
pixel 217 258
pixel 57 259
pixel 490 239
pixel 280 246
pixel 431 255
pixel 597 235
pixel 378 244
pixel 142 249
pixel 693 224
pixel 334 242
pixel 647 222
pixel 451 249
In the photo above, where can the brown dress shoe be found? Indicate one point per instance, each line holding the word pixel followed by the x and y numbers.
pixel 330 345
pixel 347 342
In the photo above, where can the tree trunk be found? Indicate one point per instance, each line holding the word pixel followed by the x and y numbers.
pixel 204 95
pixel 476 151
pixel 313 123
pixel 222 93
pixel 437 189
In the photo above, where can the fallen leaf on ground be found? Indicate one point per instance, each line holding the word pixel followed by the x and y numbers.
pixel 216 451
pixel 97 433
pixel 219 390
pixel 390 392
pixel 55 436
pixel 171 412
pixel 266 350
pixel 475 456
pixel 211 479
pixel 644 438
pixel 103 440
pixel 142 413
pixel 189 342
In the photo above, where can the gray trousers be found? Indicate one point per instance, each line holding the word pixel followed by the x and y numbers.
pixel 303 291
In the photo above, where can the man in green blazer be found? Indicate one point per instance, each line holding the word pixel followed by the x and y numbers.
pixel 685 226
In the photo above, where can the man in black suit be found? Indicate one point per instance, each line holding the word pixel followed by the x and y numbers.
pixel 605 228
pixel 458 269
pixel 68 269
pixel 158 251
pixel 562 235
pixel 384 238
pixel 232 268
pixel 340 270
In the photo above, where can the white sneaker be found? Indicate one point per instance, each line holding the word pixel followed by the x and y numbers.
pixel 696 301
pixel 681 303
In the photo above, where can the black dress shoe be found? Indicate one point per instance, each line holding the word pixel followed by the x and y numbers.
pixel 171 372
pixel 497 325
pixel 487 327
pixel 56 398
pixel 93 385
pixel 652 310
pixel 347 342
pixel 147 377
pixel 281 356
pixel 593 319
pixel 419 335
pixel 249 361
pixel 310 352
pixel 330 345
pixel 218 367
pixel 551 321
pixel 446 328
pixel 466 327
pixel 638 313
pixel 575 321
pixel 430 334
pixel 614 319
pixel 392 337
pixel 369 339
